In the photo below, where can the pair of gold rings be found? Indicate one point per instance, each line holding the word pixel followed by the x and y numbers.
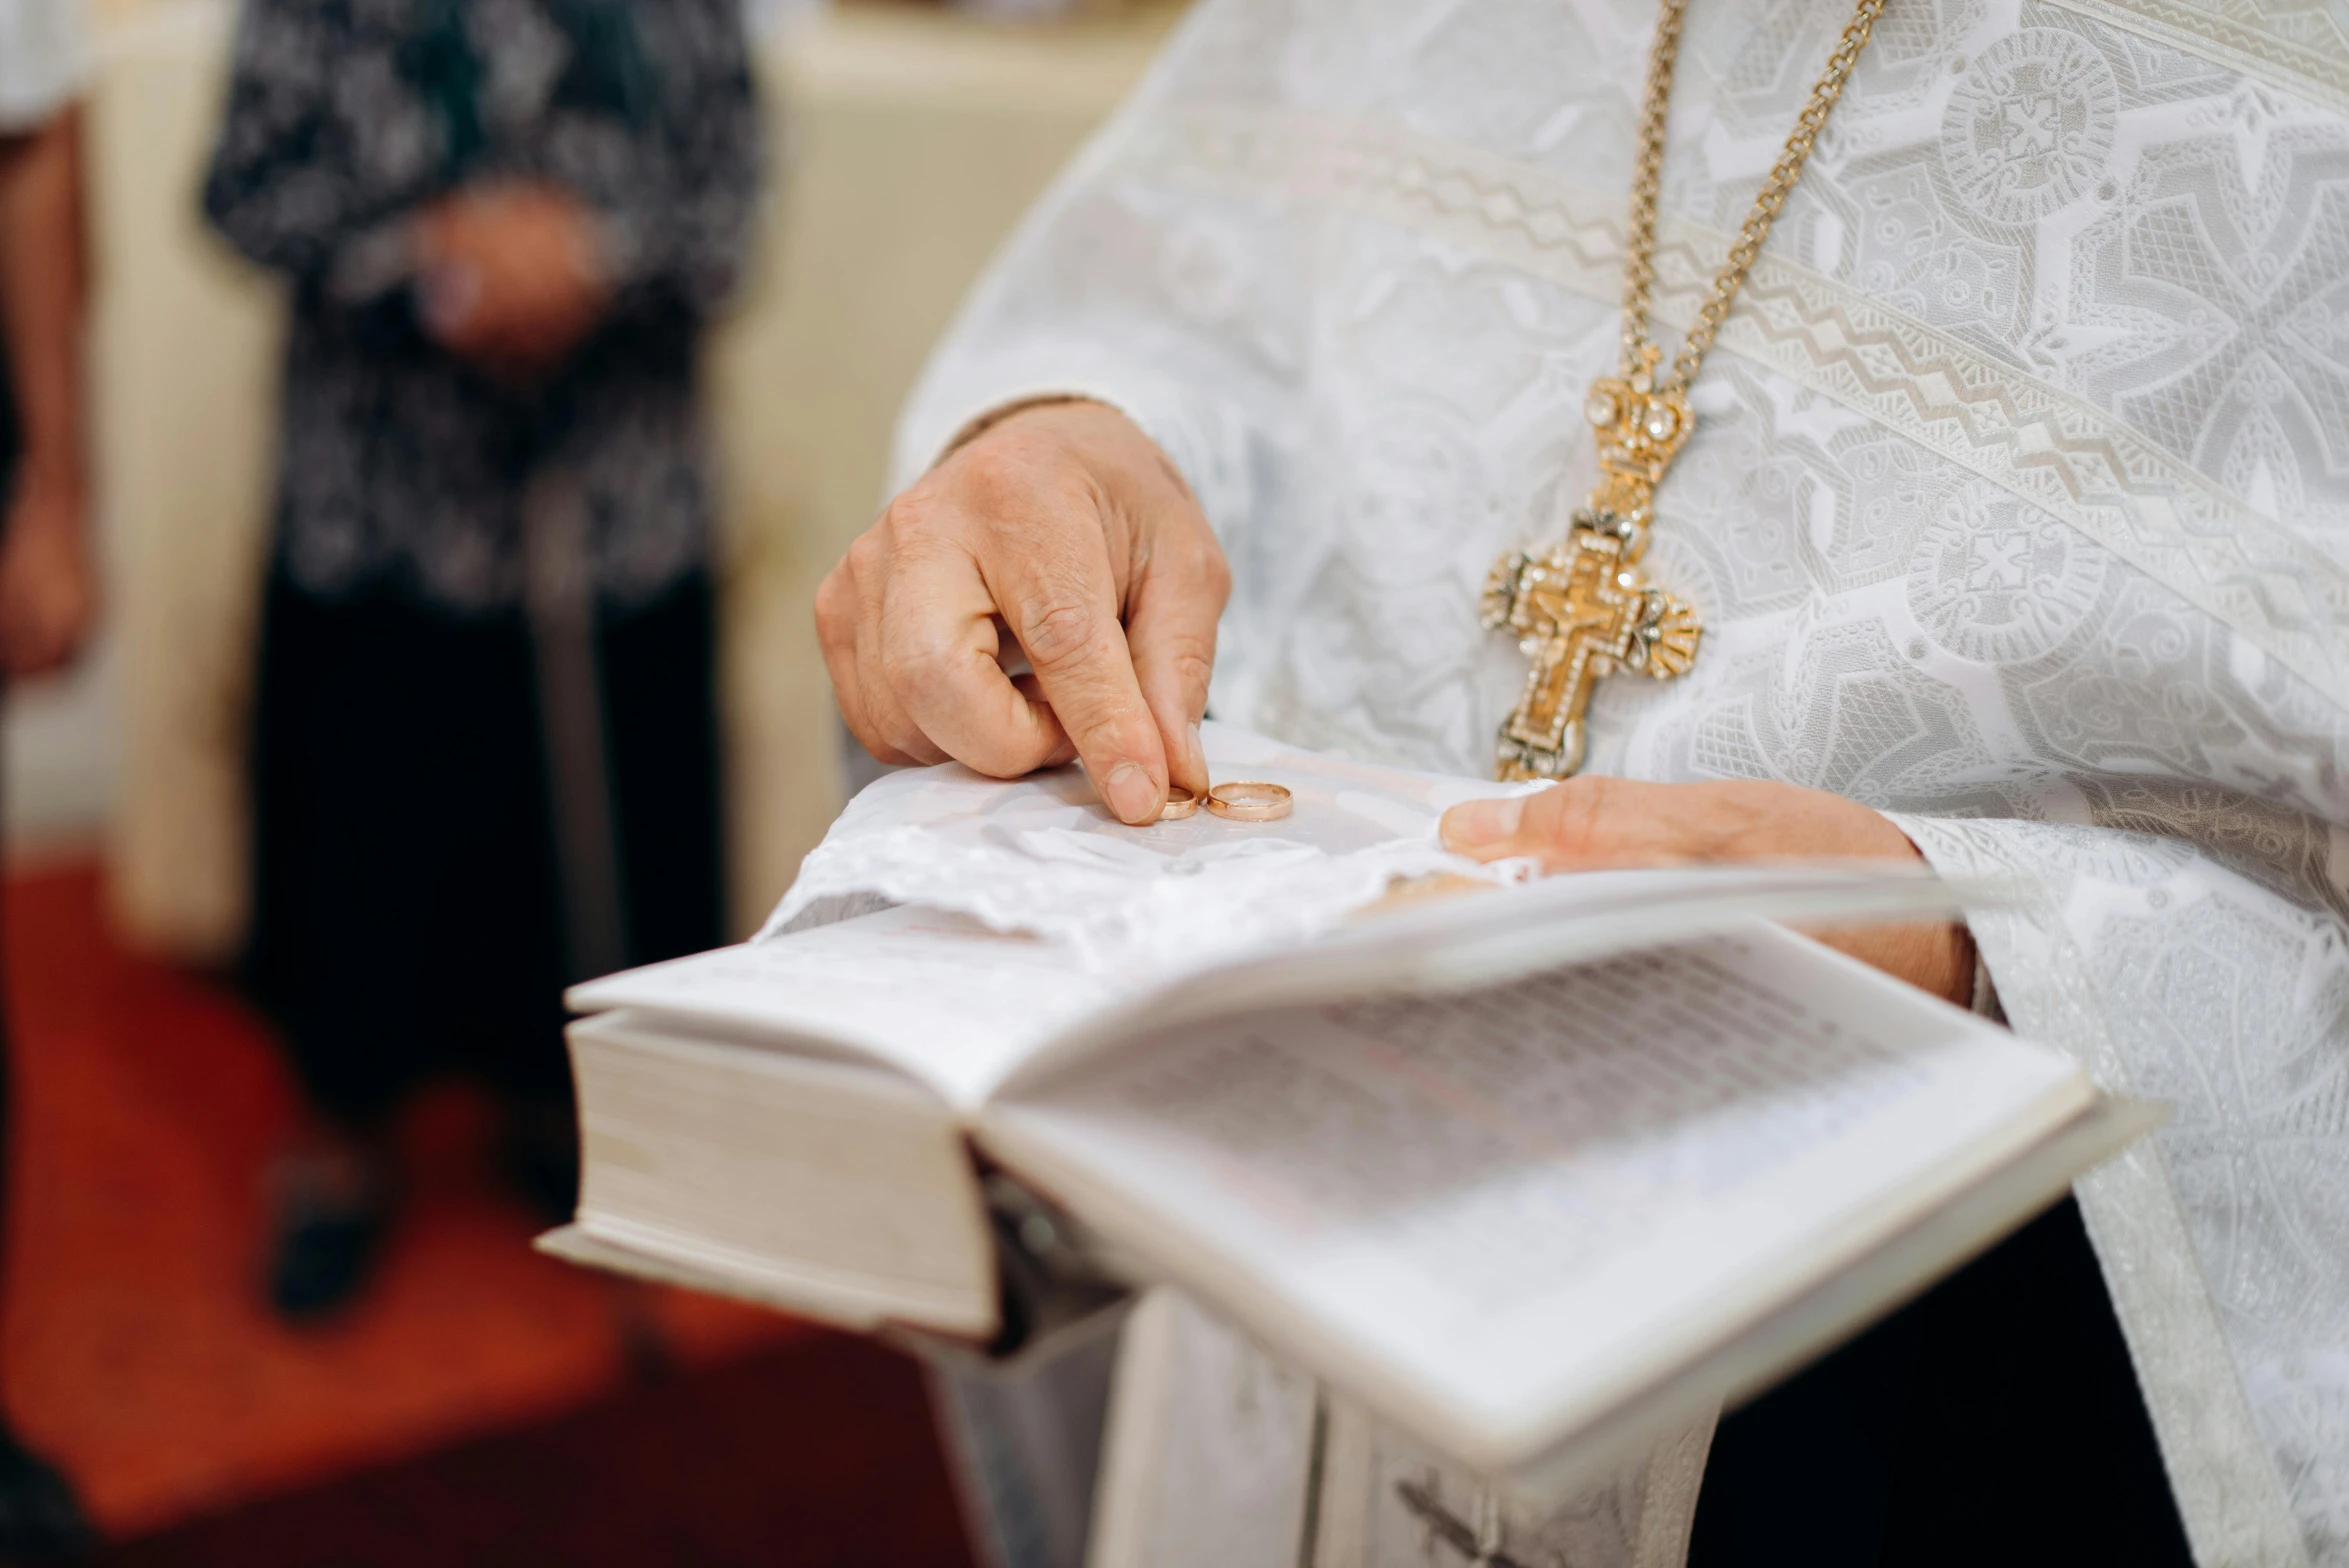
pixel 1245 802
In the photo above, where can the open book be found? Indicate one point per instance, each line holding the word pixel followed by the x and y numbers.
pixel 1532 1168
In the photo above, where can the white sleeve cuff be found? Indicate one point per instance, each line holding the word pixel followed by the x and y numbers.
pixel 44 61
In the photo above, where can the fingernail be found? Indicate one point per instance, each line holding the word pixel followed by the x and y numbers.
pixel 1130 793
pixel 1475 824
pixel 1198 751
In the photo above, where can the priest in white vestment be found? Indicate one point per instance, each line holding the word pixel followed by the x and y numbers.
pixel 2017 514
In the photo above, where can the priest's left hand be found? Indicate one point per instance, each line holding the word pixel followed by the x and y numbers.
pixel 1594 823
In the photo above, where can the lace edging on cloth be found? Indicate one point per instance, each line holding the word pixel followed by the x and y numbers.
pixel 1111 913
pixel 1038 855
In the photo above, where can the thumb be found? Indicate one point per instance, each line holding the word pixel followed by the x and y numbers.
pixel 1573 824
pixel 1484 829
pixel 1593 822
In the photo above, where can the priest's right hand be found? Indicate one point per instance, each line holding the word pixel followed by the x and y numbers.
pixel 1059 535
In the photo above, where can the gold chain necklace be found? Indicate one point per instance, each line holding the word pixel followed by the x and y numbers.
pixel 1583 609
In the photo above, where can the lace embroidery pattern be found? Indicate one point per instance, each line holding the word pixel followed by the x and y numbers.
pixel 2054 450
pixel 2230 1495
pixel 2302 45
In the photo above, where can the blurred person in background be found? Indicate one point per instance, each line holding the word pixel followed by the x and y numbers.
pixel 47 586
pixel 485 750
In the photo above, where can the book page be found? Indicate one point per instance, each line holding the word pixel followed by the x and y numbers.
pixel 839 1189
pixel 968 1010
pixel 937 996
pixel 1507 1209
pixel 1473 937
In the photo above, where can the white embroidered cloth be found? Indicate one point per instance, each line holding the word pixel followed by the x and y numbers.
pixel 1041 855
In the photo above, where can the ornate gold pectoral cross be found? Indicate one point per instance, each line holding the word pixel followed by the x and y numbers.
pixel 1582 609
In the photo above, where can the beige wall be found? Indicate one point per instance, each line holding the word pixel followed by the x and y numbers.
pixel 908 142
pixel 912 145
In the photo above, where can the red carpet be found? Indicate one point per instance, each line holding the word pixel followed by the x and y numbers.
pixel 816 1455
pixel 134 1348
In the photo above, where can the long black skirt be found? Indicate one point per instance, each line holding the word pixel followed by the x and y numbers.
pixel 408 916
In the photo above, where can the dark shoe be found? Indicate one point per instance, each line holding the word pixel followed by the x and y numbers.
pixel 40 1519
pixel 326 1249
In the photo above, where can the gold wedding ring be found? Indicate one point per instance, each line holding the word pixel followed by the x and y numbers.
pixel 1180 803
pixel 1249 802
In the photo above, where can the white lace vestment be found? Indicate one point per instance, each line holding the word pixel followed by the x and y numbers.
pixel 2018 509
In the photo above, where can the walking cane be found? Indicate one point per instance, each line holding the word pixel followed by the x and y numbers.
pixel 559 597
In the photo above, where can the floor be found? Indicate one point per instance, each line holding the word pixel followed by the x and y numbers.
pixel 815 1454
pixel 134 1349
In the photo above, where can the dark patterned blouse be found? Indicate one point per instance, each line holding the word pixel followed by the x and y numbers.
pixel 402 469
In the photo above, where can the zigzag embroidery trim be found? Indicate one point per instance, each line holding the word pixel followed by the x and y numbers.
pixel 2304 52
pixel 2054 450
